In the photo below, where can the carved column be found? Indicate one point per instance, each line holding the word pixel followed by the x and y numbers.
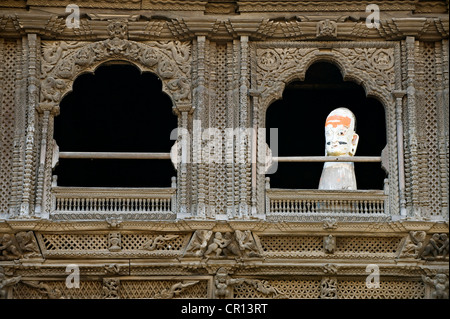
pixel 232 106
pixel 442 122
pixel 32 100
pixel 398 95
pixel 20 129
pixel 182 168
pixel 411 106
pixel 198 191
pixel 243 148
pixel 47 111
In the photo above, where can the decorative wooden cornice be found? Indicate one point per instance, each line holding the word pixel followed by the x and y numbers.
pixel 144 27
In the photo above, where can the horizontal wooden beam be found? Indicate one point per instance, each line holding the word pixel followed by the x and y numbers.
pixel 111 155
pixel 370 159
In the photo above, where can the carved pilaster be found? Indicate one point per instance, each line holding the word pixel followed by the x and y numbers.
pixel 400 149
pixel 413 144
pixel 230 145
pixel 32 101
pixel 442 123
pixel 200 110
pixel 243 146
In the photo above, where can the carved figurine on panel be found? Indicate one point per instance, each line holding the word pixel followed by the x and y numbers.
pixel 5 283
pixel 329 244
pixel 158 242
pixel 175 290
pixel 341 140
pixel 199 242
pixel 246 243
pixel 27 243
pixel 414 244
pixel 224 283
pixel 218 244
pixel 111 288
pixel 439 286
pixel 437 247
pixel 231 247
pixel 114 242
pixel 8 248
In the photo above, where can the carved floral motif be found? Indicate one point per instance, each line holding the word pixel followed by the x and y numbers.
pixel 63 61
pixel 278 65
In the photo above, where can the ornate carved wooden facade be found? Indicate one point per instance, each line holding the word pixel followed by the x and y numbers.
pixel 223 63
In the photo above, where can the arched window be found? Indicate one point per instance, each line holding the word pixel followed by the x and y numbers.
pixel 117 109
pixel 300 118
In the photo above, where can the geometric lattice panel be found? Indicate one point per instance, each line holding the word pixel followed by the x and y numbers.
pixel 70 242
pixel 293 244
pixel 7 110
pixel 430 131
pixel 389 289
pixel 386 246
pixel 137 241
pixel 87 290
pixel 143 289
pixel 293 289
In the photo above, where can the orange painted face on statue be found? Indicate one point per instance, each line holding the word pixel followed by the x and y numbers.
pixel 341 139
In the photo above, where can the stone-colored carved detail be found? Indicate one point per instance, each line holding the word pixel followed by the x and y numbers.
pixel 224 284
pixel 175 290
pixel 330 269
pixel 199 243
pixel 328 288
pixel 158 242
pixel 118 29
pixel 20 245
pixel 114 223
pixel 111 287
pixel 264 287
pixel 436 248
pixel 9 249
pixel 247 243
pixel 55 26
pixel 135 289
pixel 290 28
pixel 169 60
pixel 5 283
pixel 326 29
pixel 329 244
pixel 329 224
pixel 373 65
pixel 114 242
pixel 286 288
pixel 439 286
pixel 222 245
pixel 113 269
pixel 313 247
pixel 45 289
pixel 413 244
pixel 27 244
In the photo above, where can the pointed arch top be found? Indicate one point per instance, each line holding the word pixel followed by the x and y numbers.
pixel 63 62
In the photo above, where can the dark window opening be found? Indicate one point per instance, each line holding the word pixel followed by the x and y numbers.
pixel 300 118
pixel 117 109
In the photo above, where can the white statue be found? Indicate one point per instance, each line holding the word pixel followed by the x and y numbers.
pixel 341 140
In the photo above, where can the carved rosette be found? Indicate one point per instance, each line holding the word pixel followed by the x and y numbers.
pixel 64 61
